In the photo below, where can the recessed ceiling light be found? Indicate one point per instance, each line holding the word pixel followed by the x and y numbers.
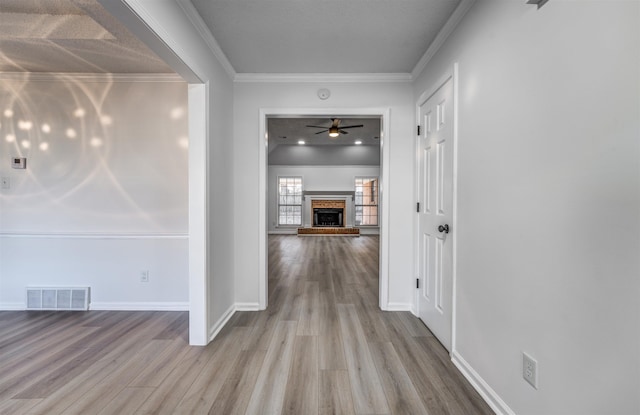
pixel 358 142
pixel 301 142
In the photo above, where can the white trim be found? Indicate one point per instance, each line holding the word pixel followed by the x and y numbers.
pixel 454 217
pixel 204 32
pixel 90 77
pixel 323 77
pixel 383 194
pixel 384 208
pixel 247 306
pixel 222 321
pixel 199 246
pixel 139 306
pixel 80 235
pixel 442 36
pixel 13 306
pixel 490 396
pixel 399 307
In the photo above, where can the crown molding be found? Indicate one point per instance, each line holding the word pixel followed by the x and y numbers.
pixel 204 32
pixel 90 77
pixel 323 77
pixel 442 36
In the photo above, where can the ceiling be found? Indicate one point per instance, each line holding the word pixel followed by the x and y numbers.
pixel 76 36
pixel 324 36
pixel 288 131
pixel 257 36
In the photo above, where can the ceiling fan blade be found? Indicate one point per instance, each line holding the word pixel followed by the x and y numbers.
pixel 320 132
pixel 352 126
pixel 316 126
pixel 343 132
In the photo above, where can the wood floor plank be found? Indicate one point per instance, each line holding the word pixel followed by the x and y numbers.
pixel 368 395
pixel 17 406
pixel 156 371
pixel 268 394
pixel 200 396
pixel 108 388
pixel 330 346
pixel 399 390
pixel 234 397
pixel 170 392
pixel 124 350
pixel 301 395
pixel 127 401
pixel 309 322
pixel 335 393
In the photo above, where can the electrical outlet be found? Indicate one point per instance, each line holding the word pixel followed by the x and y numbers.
pixel 144 276
pixel 530 369
pixel 6 183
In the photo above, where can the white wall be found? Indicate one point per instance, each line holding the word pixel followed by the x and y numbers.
pixel 249 99
pixel 324 155
pixel 314 178
pixel 548 212
pixel 211 173
pixel 97 206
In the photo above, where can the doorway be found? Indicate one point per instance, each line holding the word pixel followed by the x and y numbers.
pixel 265 220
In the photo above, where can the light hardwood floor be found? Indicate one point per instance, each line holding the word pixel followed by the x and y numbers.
pixel 321 347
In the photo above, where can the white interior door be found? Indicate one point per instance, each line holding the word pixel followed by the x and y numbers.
pixel 435 254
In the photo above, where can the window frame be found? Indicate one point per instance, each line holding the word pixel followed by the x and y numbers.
pixel 278 204
pixel 373 200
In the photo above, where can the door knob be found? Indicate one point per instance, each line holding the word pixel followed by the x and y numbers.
pixel 443 228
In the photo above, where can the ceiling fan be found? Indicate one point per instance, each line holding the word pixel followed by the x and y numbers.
pixel 335 129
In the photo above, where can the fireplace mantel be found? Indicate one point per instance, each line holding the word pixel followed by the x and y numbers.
pixel 328 193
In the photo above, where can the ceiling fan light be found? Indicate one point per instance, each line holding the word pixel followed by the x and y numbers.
pixel 333 132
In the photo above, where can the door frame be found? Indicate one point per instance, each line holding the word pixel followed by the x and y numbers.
pixel 384 114
pixel 451 73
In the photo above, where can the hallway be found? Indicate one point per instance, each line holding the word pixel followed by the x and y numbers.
pixel 321 347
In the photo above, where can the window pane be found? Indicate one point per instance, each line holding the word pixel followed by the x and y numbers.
pixel 290 201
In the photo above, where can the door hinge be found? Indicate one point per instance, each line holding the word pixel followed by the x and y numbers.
pixel 418 130
pixel 418 207
pixel 417 282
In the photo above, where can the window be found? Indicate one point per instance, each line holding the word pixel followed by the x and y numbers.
pixel 366 201
pixel 290 201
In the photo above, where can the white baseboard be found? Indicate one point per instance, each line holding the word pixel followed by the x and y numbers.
pixel 150 306
pixel 12 306
pixel 398 306
pixel 247 306
pixel 489 395
pixel 222 321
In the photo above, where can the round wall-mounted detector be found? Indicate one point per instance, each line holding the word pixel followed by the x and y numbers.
pixel 324 93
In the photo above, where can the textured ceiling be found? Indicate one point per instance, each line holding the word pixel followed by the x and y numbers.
pixel 324 36
pixel 69 36
pixel 288 131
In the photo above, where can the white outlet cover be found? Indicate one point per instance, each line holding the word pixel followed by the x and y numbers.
pixel 530 370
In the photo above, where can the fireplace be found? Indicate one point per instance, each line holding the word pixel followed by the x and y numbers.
pixel 328 217
pixel 328 213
